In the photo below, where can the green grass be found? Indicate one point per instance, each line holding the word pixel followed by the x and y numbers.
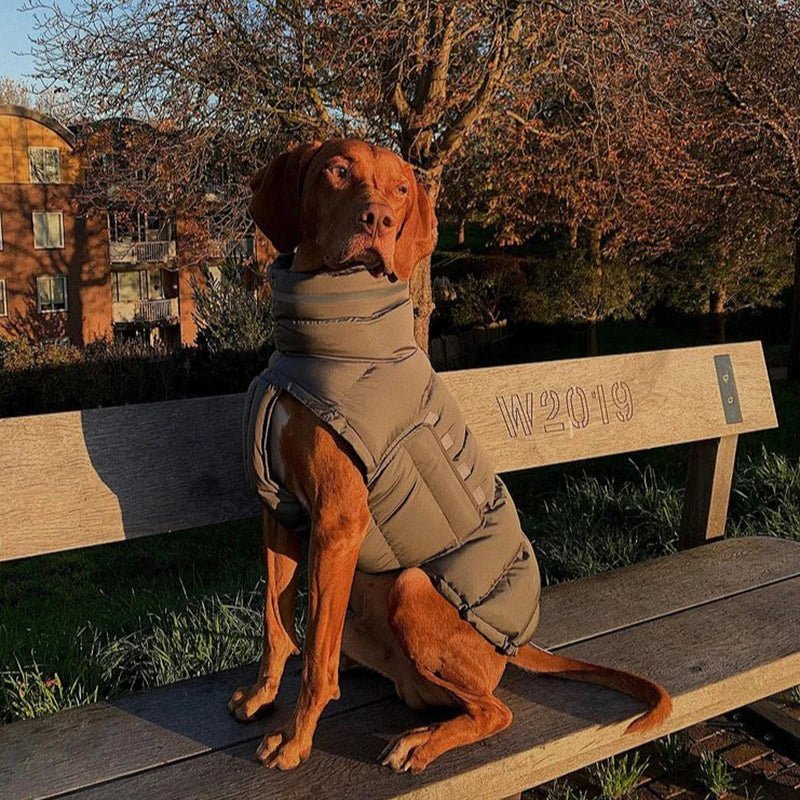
pixel 793 695
pixel 205 636
pixel 672 753
pixel 595 524
pixel 617 777
pixel 716 776
pixel 98 622
pixel 561 790
pixel 45 600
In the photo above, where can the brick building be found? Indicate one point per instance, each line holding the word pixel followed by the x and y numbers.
pixel 54 262
pixel 69 275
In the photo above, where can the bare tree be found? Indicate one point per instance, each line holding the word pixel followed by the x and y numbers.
pixel 52 102
pixel 753 48
pixel 14 93
pixel 252 75
pixel 606 151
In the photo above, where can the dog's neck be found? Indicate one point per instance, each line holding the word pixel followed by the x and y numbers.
pixel 349 314
pixel 307 258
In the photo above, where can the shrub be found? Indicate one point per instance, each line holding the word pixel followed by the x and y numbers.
pixel 479 297
pixel 570 288
pixel 42 378
pixel 231 316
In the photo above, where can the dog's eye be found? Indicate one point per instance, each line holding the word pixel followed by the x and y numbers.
pixel 339 171
pixel 403 188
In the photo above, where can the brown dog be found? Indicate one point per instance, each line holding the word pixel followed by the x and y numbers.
pixel 341 203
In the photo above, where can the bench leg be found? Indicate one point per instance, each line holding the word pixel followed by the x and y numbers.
pixel 708 487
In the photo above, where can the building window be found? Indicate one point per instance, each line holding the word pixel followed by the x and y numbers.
pixel 48 230
pixel 140 284
pixel 3 300
pixel 1 231
pixel 45 164
pixel 51 292
pixel 128 286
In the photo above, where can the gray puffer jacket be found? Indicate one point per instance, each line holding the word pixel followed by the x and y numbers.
pixel 345 349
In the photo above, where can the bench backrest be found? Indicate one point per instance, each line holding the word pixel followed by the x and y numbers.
pixel 88 477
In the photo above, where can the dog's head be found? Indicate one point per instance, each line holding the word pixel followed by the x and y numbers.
pixel 345 202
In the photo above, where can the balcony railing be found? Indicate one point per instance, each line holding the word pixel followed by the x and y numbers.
pixel 158 310
pixel 151 311
pixel 141 252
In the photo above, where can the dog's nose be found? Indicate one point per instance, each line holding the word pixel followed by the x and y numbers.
pixel 376 218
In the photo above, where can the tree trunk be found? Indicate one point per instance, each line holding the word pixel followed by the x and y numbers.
pixel 716 302
pixel 422 300
pixel 591 339
pixel 461 237
pixel 794 345
pixel 596 253
pixel 420 284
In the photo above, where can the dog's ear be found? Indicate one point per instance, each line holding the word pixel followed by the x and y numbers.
pixel 418 235
pixel 275 205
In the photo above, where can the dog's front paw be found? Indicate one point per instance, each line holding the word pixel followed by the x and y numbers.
pixel 282 751
pixel 247 701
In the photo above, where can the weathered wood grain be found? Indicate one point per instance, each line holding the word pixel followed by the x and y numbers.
pixel 81 746
pixel 708 490
pixel 712 658
pixel 44 757
pixel 580 609
pixel 76 479
pixel 640 401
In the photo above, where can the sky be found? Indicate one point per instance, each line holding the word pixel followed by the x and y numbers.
pixel 15 27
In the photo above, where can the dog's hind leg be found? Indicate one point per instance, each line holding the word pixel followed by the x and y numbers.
pixel 450 654
pixel 368 641
pixel 282 552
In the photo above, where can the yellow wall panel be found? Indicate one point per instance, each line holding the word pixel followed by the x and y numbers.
pixel 17 134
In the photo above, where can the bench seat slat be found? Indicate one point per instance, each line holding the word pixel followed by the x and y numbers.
pixel 588 607
pixel 713 658
pixel 82 746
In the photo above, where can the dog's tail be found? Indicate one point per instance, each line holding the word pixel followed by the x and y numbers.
pixel 534 659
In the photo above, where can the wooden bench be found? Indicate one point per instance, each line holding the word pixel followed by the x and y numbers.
pixel 717 625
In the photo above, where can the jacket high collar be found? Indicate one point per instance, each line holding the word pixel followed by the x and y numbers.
pixel 348 315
